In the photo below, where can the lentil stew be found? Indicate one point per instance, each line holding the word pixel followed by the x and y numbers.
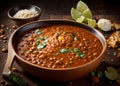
pixel 59 46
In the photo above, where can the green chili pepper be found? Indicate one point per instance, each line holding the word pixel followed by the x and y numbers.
pixel 38 31
pixel 17 79
pixel 64 50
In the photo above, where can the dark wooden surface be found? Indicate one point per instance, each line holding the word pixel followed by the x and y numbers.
pixel 60 9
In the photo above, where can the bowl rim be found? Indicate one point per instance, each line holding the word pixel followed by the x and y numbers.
pixel 56 69
pixel 28 5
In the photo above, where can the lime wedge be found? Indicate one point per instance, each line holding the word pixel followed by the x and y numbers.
pixel 81 19
pixel 104 24
pixel 75 13
pixel 111 73
pixel 91 22
pixel 87 13
pixel 81 6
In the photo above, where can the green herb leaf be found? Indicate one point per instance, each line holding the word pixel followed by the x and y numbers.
pixel 42 38
pixel 38 31
pixel 82 55
pixel 100 74
pixel 40 46
pixel 77 51
pixel 64 50
pixel 71 50
pixel 93 73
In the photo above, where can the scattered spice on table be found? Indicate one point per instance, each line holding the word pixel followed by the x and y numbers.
pixel 70 83
pixel 5 50
pixel 4 41
pixel 2 36
pixel 2 31
pixel 14 27
pixel 2 82
pixel 15 69
pixel 2 25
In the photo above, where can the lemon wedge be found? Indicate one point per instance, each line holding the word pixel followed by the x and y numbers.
pixel 91 22
pixel 87 13
pixel 81 19
pixel 81 6
pixel 75 13
pixel 104 24
pixel 83 14
pixel 111 73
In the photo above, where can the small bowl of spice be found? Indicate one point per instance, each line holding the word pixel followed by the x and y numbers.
pixel 24 14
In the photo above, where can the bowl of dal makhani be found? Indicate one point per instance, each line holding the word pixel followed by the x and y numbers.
pixel 58 50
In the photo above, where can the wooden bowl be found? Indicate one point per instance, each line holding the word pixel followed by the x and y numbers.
pixel 19 21
pixel 57 74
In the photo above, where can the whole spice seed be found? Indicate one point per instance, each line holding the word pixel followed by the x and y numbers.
pixel 4 41
pixel 2 36
pixel 2 25
pixel 15 69
pixel 5 50
pixel 14 27
pixel 2 82
pixel 2 31
pixel 118 54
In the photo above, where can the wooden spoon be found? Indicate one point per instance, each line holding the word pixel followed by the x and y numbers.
pixel 10 58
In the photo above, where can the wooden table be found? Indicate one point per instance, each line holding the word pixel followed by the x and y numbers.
pixel 60 9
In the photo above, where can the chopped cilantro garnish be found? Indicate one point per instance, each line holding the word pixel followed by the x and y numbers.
pixel 77 51
pixel 40 45
pixel 64 50
pixel 38 31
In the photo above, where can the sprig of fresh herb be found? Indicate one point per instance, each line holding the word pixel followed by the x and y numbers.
pixel 15 78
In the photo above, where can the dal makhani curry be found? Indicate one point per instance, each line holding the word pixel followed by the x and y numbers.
pixel 59 46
